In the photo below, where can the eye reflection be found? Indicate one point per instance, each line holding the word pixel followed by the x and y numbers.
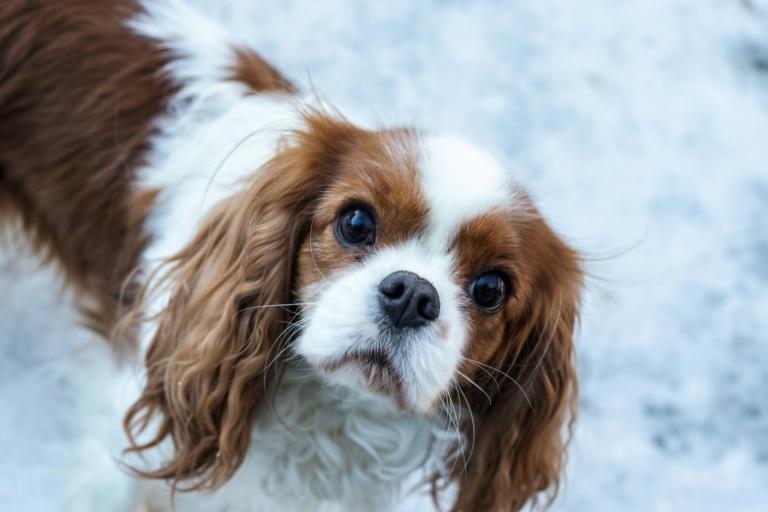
pixel 489 290
pixel 356 227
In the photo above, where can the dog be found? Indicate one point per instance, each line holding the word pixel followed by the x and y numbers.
pixel 306 313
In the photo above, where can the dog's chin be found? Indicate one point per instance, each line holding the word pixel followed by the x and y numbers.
pixel 370 371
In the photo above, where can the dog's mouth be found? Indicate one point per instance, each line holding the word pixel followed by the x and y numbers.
pixel 375 368
pixel 373 358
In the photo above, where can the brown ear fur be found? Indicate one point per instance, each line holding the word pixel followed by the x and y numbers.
pixel 519 438
pixel 206 364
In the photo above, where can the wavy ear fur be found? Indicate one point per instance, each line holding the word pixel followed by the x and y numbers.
pixel 520 438
pixel 213 343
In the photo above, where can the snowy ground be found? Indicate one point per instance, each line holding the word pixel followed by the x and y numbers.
pixel 642 128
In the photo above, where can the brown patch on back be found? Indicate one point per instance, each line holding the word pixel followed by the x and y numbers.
pixel 79 93
pixel 258 74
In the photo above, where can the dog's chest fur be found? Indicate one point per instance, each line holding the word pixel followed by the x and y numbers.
pixel 325 449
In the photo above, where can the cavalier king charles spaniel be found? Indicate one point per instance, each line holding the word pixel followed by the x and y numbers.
pixel 308 313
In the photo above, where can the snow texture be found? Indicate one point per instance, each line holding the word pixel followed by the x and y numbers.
pixel 642 129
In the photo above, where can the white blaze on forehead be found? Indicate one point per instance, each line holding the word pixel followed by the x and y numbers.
pixel 459 181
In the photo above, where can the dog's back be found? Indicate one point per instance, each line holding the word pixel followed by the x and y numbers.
pixel 72 134
pixel 79 98
pixel 81 94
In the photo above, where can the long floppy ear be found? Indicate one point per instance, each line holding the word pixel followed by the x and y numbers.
pixel 214 340
pixel 521 435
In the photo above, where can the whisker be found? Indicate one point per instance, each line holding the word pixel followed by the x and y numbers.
pixel 448 424
pixel 498 388
pixel 477 386
pixel 472 418
pixel 519 386
pixel 231 152
pixel 453 415
pixel 464 458
pixel 552 334
pixel 282 347
pixel 282 339
pixel 286 305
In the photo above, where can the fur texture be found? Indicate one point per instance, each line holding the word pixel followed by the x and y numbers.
pixel 266 375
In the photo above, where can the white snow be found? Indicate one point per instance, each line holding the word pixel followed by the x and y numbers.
pixel 641 127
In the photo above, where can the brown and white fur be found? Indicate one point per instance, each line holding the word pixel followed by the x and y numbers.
pixel 192 198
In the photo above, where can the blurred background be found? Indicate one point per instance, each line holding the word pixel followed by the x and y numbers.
pixel 640 126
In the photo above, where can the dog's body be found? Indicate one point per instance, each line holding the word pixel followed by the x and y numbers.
pixel 326 455
pixel 126 130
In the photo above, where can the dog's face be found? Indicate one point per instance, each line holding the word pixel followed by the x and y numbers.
pixel 410 267
pixel 421 273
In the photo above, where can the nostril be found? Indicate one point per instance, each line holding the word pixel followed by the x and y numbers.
pixel 397 285
pixel 394 290
pixel 427 308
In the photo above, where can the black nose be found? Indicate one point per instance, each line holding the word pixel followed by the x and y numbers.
pixel 408 300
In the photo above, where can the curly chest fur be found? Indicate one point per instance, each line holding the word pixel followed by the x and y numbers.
pixel 324 448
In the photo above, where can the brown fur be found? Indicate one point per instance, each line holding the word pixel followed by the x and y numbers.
pixel 79 95
pixel 79 98
pixel 206 365
pixel 519 438
pixel 378 170
pixel 209 363
pixel 524 363
pixel 72 135
pixel 258 74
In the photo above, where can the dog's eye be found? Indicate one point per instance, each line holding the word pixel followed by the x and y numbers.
pixel 489 290
pixel 356 227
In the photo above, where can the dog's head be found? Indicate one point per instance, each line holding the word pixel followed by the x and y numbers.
pixel 406 265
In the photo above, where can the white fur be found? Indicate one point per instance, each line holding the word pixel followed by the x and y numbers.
pixel 460 182
pixel 329 448
pixel 325 446
pixel 202 51
pixel 344 318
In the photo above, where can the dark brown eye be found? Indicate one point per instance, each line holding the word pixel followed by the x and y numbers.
pixel 489 291
pixel 356 227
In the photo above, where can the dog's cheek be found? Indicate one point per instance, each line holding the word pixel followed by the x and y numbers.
pixel 319 259
pixel 485 340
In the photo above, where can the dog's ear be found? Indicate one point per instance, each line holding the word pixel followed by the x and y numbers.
pixel 521 435
pixel 218 334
